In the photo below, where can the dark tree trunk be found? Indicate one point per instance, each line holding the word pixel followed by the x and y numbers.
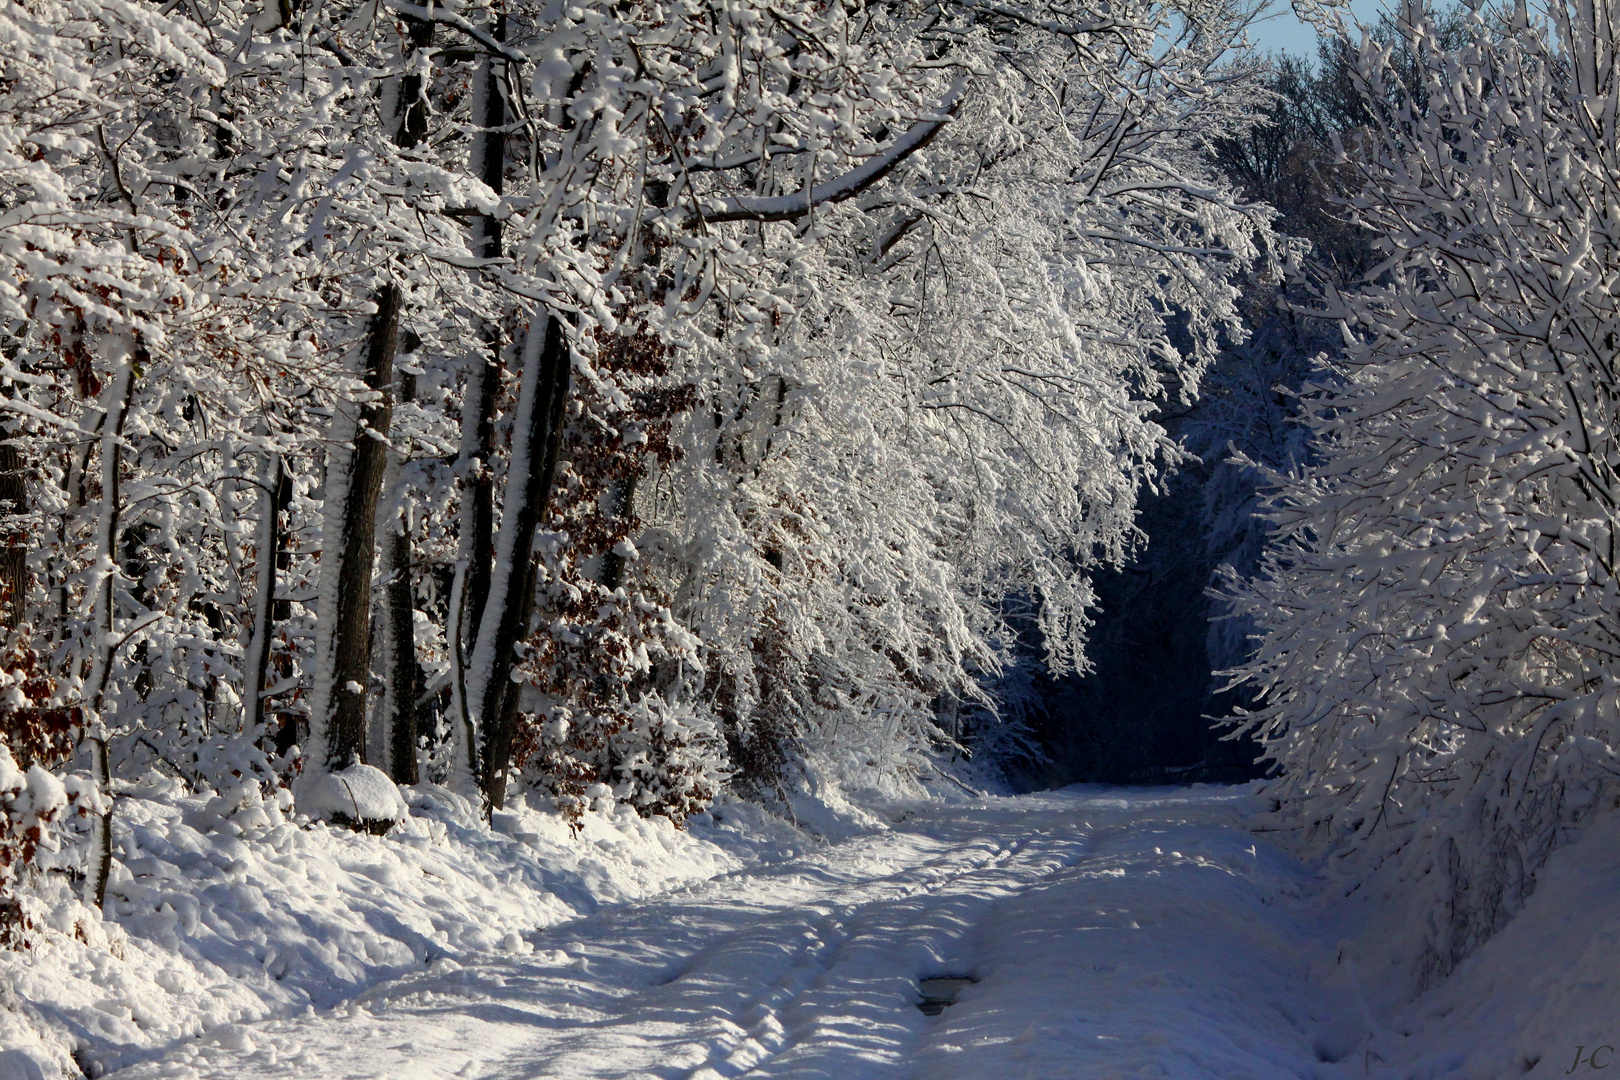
pixel 469 591
pixel 477 547
pixel 287 733
pixel 257 664
pixel 355 543
pixel 490 144
pixel 351 643
pixel 486 380
pixel 480 493
pixel 135 565
pixel 413 104
pixel 101 669
pixel 404 679
pixel 506 617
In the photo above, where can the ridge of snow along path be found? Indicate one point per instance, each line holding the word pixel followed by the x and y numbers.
pixel 1112 935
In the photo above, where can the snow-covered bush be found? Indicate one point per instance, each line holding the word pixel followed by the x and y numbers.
pixel 605 630
pixel 29 802
pixel 36 739
pixel 1437 609
pixel 36 735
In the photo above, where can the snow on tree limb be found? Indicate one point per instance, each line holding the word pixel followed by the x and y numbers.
pixel 794 206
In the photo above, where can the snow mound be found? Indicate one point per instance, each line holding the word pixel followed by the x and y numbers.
pixel 1537 1000
pixel 16 1065
pixel 360 794
pixel 222 911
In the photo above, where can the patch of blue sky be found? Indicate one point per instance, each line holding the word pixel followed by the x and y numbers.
pixel 1278 30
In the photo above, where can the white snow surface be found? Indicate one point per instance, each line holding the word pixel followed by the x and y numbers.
pixel 1534 1001
pixel 223 910
pixel 1112 934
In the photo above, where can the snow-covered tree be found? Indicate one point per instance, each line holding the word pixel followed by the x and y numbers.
pixel 1436 610
pixel 946 410
pixel 637 393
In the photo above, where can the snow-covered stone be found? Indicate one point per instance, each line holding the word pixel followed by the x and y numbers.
pixel 357 794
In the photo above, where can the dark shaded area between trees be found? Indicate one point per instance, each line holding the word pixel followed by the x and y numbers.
pixel 1153 707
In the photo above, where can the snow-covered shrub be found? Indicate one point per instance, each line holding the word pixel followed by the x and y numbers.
pixel 37 735
pixel 665 759
pixel 600 717
pixel 1437 639
pixel 605 631
pixel 29 802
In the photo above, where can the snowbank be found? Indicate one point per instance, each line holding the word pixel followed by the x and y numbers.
pixel 223 909
pixel 1534 1001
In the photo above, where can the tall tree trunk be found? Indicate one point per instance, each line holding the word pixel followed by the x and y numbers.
pixel 338 722
pixel 257 662
pixel 537 434
pixel 404 679
pixel 478 425
pixel 399 622
pixel 286 724
pixel 475 553
pixel 338 727
pixel 490 152
pixel 14 555
pixel 103 581
pixel 470 590
pixel 413 105
pixel 480 515
pixel 136 565
pixel 74 481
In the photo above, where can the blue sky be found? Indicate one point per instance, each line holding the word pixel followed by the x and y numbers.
pixel 1277 30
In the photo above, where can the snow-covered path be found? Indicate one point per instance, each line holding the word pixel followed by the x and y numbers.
pixel 1112 935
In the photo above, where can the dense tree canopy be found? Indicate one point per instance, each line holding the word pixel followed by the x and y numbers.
pixel 611 402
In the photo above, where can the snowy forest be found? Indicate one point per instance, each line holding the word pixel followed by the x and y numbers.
pixel 469 465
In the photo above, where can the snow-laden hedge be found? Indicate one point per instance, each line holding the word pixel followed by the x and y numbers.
pixel 1437 612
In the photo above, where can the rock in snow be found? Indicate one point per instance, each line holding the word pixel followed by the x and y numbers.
pixel 360 794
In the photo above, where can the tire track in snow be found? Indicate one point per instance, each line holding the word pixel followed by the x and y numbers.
pixel 765 1036
pixel 802 969
pixel 742 1036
